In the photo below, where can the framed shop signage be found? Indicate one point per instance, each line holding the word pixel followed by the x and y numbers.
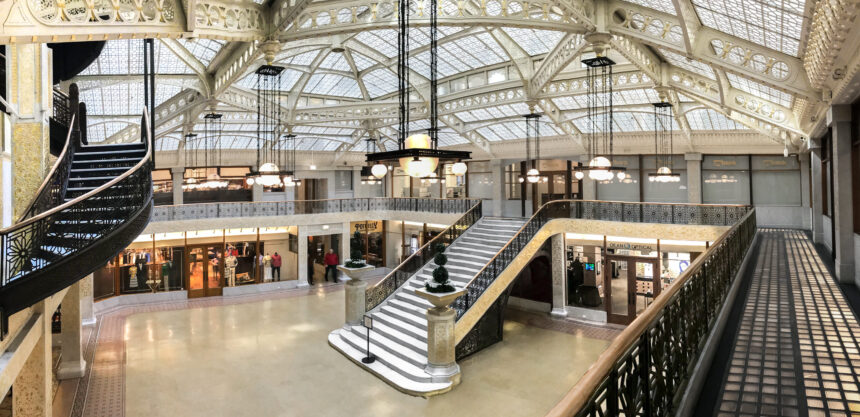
pixel 368 321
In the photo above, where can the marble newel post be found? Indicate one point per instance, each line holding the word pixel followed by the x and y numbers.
pixel 441 346
pixel 355 290
pixel 559 276
pixel 73 364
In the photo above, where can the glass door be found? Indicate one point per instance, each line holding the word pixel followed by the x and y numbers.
pixel 204 269
pixel 618 284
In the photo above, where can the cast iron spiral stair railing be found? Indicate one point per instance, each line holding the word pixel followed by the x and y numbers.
pixel 92 204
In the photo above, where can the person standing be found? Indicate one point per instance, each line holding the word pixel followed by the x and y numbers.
pixel 276 266
pixel 331 262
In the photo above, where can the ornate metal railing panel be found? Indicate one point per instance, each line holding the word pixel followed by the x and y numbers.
pixel 589 210
pixel 62 108
pixel 646 369
pixel 46 238
pixel 286 208
pixel 377 293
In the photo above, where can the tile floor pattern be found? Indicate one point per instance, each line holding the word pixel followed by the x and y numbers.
pixel 102 390
pixel 796 352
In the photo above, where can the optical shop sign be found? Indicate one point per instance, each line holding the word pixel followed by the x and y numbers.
pixel 631 246
pixel 370 226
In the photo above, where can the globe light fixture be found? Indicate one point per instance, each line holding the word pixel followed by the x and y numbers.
pixel 379 170
pixel 579 175
pixel 663 144
pixel 459 168
pixel 533 175
pixel 418 167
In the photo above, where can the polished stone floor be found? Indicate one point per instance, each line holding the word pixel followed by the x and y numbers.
pixel 269 357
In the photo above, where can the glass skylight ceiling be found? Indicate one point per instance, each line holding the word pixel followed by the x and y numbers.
pixel 122 57
pixel 333 85
pixel 760 90
pixel 123 98
pixel 774 24
pixel 707 119
pixel 490 113
pixel 203 49
pixel 533 41
pixel 289 77
pixel 691 65
pixel 515 130
pixel 619 98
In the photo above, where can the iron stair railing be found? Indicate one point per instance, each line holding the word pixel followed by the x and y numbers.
pixel 688 214
pixel 90 235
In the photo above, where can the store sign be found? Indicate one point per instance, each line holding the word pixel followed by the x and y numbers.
pixel 630 246
pixel 771 163
pixel 370 226
pixel 724 163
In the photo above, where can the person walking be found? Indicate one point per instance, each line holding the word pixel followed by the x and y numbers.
pixel 276 266
pixel 331 262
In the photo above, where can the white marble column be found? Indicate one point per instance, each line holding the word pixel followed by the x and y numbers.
pixel 843 207
pixel 88 316
pixel 817 191
pixel 33 386
pixel 497 166
pixel 694 177
pixel 559 276
pixel 804 190
pixel 73 364
pixel 256 192
pixel 303 256
pixel 177 174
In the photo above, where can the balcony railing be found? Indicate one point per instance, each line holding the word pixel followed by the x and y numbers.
pixel 298 207
pixel 647 367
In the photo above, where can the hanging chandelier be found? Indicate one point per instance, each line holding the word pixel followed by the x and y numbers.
pixel 599 141
pixel 663 147
pixel 268 173
pixel 190 147
pixel 418 154
pixel 212 152
pixel 289 145
pixel 532 141
pixel 373 175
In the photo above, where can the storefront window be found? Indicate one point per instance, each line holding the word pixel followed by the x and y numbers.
pixel 373 233
pixel 725 179
pixel 401 183
pixel 162 187
pixel 480 178
pixel 513 187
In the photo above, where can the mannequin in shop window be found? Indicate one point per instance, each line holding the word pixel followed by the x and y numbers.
pixel 267 268
pixel 230 268
pixel 276 266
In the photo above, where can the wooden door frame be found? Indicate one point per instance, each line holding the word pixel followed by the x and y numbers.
pixel 205 291
pixel 631 285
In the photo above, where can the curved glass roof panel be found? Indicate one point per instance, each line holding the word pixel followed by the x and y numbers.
pixel 361 62
pixel 708 119
pixel 692 65
pixel 123 98
pixel 333 85
pixel 777 25
pixel 125 56
pixel 534 41
pixel 203 49
pixel 760 90
pixel 380 82
pixel 335 61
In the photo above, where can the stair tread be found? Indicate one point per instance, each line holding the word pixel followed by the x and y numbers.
pixel 358 337
pixel 400 324
pixel 387 334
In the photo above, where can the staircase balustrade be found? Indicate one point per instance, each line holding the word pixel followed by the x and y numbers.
pixel 378 292
pixel 59 242
pixel 297 207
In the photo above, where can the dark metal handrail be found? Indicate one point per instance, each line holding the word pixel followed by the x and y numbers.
pixel 53 188
pixel 29 246
pixel 647 367
pixel 377 293
pixel 690 214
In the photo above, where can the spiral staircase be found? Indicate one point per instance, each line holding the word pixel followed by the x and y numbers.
pixel 95 200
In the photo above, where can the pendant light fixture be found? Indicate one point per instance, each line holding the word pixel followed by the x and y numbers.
pixel 663 147
pixel 372 175
pixel 268 87
pixel 287 156
pixel 212 151
pixel 599 141
pixel 190 146
pixel 532 142
pixel 418 154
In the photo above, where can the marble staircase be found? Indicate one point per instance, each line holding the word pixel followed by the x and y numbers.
pixel 399 335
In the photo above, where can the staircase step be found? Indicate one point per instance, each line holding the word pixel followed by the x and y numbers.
pixel 408 369
pixel 392 336
pixel 101 153
pixel 400 325
pixel 416 301
pixel 417 381
pixel 111 146
pixel 414 320
pixel 407 308
pixel 88 172
pixel 98 163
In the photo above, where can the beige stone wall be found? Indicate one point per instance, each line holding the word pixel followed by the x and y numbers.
pixel 29 156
